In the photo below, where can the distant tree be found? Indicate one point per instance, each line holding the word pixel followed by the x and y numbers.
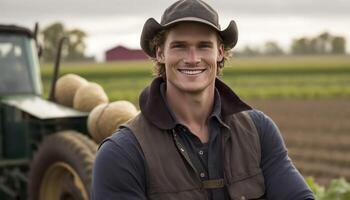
pixel 73 50
pixel 76 45
pixel 324 40
pixel 301 46
pixel 51 36
pixel 314 46
pixel 273 49
pixel 248 51
pixel 338 45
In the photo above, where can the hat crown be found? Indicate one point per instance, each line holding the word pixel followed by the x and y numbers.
pixel 190 9
pixel 186 11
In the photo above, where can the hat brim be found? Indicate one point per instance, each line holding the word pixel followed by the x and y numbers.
pixel 151 27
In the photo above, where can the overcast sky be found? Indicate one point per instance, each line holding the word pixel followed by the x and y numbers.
pixel 119 22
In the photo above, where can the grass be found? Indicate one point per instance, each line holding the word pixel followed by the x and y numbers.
pixel 258 78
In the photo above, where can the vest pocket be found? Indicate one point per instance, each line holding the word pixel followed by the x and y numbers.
pixel 249 187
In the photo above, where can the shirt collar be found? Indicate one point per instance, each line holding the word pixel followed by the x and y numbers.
pixel 216 113
pixel 154 107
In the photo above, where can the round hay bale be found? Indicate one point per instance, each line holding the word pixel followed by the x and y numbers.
pixel 106 118
pixel 89 96
pixel 66 87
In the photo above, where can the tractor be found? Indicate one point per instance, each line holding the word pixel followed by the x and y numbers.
pixel 46 152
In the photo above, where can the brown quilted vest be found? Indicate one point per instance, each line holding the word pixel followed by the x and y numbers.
pixel 171 175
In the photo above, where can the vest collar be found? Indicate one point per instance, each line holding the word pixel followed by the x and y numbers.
pixel 155 110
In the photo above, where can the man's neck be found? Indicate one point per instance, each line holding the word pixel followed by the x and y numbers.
pixel 192 109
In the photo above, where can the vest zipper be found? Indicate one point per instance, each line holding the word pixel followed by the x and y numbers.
pixel 183 152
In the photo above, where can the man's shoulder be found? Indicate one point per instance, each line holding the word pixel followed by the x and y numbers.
pixel 260 119
pixel 265 126
pixel 122 142
pixel 256 114
pixel 123 137
pixel 119 168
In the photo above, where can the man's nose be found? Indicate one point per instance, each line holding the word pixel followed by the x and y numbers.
pixel 192 57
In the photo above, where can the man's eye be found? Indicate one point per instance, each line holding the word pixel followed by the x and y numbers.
pixel 178 46
pixel 205 46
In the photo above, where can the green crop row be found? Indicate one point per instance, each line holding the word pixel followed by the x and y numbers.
pixel 339 189
pixel 262 77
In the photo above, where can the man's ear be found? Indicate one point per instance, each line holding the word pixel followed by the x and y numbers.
pixel 221 52
pixel 160 55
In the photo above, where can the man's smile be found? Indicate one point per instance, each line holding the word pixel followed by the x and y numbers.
pixel 191 71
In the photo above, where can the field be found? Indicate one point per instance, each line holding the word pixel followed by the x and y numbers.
pixel 308 98
pixel 316 132
pixel 252 78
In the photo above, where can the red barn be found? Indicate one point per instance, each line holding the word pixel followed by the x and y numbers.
pixel 123 53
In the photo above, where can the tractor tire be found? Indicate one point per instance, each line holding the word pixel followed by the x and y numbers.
pixel 62 168
pixel 90 143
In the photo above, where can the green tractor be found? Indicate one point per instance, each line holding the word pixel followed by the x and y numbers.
pixel 45 150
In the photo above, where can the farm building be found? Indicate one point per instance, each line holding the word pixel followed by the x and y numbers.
pixel 123 53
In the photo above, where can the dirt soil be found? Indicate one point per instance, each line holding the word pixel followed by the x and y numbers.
pixel 316 132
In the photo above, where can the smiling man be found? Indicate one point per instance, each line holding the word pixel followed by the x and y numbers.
pixel 194 138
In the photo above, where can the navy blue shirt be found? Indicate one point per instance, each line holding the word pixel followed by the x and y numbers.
pixel 206 157
pixel 119 169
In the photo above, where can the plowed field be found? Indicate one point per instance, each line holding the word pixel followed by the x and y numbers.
pixel 316 132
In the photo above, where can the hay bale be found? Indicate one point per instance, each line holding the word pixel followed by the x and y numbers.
pixel 66 87
pixel 106 118
pixel 89 96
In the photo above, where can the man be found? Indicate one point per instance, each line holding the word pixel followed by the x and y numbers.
pixel 194 138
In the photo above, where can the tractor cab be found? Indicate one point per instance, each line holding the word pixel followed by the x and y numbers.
pixel 45 150
pixel 19 65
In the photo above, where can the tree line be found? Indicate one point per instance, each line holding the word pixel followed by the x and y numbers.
pixel 74 49
pixel 322 44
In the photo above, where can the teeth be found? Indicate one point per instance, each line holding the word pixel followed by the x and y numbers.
pixel 191 72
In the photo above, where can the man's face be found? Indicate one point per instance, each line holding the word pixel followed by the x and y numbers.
pixel 190 54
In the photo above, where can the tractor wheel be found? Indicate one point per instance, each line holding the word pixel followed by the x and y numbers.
pixel 91 144
pixel 62 168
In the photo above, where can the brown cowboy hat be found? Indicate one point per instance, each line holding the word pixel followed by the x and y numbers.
pixel 187 10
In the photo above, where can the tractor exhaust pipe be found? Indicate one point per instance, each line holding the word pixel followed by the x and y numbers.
pixel 56 69
pixel 36 32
